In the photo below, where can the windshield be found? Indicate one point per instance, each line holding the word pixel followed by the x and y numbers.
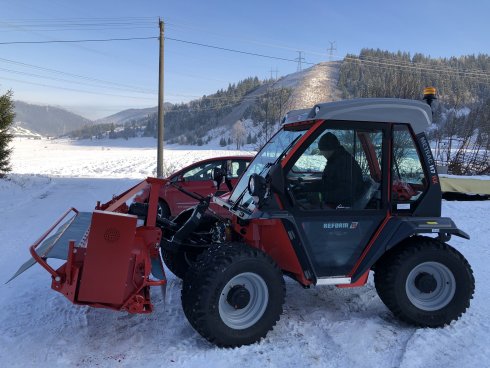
pixel 276 147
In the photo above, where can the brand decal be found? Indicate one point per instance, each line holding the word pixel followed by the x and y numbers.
pixel 340 225
pixel 429 159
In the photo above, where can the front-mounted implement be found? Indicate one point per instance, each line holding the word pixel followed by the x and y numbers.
pixel 111 259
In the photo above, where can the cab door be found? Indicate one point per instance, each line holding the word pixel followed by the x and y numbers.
pixel 338 199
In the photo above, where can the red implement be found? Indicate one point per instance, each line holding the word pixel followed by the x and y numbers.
pixel 111 264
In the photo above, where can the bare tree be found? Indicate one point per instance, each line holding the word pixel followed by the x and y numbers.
pixel 239 134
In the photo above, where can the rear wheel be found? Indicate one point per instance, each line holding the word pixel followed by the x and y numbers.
pixel 425 282
pixel 233 295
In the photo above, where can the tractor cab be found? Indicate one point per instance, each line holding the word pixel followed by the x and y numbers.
pixel 332 203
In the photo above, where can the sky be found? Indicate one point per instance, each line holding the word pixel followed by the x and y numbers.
pixel 97 79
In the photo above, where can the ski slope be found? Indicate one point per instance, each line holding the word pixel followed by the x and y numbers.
pixel 320 327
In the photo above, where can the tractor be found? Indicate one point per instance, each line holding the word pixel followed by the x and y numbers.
pixel 299 210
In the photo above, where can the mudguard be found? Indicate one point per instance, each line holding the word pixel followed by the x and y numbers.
pixel 398 229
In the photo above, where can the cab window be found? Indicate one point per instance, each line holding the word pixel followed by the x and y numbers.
pixel 340 169
pixel 408 177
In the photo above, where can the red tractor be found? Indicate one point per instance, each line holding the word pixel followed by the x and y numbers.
pixel 340 190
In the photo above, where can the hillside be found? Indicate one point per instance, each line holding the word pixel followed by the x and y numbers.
pixel 263 102
pixel 129 115
pixel 19 132
pixel 47 120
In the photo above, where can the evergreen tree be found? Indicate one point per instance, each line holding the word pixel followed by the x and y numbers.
pixel 6 119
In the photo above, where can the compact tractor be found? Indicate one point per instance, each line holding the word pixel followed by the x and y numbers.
pixel 299 211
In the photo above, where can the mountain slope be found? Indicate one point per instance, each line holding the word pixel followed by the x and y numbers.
pixel 47 120
pixel 127 115
pixel 310 86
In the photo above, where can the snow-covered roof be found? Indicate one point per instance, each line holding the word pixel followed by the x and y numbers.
pixel 390 110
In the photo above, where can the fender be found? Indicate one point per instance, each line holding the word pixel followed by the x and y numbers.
pixel 398 229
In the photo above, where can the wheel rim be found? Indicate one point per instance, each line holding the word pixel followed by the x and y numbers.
pixel 247 315
pixel 430 286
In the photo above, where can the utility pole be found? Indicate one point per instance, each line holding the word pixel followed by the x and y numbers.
pixel 331 50
pixel 300 60
pixel 160 105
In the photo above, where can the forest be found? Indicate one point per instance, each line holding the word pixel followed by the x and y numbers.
pixel 461 131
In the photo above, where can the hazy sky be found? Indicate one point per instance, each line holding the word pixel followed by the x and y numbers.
pixel 276 28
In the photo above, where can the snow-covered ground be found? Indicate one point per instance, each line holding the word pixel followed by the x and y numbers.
pixel 320 327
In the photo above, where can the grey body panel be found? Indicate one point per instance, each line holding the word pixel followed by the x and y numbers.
pixel 56 246
pixel 388 110
pixel 296 115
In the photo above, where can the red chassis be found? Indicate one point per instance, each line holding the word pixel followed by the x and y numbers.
pixel 110 267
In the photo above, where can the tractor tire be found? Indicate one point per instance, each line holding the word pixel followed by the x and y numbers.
pixel 178 262
pixel 425 282
pixel 233 295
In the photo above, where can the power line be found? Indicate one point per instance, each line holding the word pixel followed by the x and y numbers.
pixel 380 63
pixel 235 51
pixel 388 65
pixel 79 41
pixel 76 90
pixel 134 88
pixel 409 64
pixel 68 81
pixel 298 60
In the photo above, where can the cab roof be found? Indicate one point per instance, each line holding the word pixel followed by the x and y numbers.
pixel 386 110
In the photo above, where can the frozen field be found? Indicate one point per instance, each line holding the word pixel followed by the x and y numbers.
pixel 321 327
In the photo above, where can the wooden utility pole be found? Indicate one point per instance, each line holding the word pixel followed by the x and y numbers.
pixel 160 106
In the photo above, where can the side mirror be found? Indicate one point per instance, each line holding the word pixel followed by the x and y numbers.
pixel 180 178
pixel 276 178
pixel 257 188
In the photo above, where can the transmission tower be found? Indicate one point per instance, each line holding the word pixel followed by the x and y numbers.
pixel 300 60
pixel 331 49
pixel 274 71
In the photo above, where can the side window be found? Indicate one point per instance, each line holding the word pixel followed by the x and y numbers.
pixel 201 172
pixel 341 169
pixel 408 177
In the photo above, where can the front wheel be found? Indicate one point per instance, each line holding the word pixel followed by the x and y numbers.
pixel 178 262
pixel 233 295
pixel 425 282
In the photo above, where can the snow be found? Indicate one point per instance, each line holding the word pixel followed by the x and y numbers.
pixel 18 131
pixel 320 327
pixel 476 177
